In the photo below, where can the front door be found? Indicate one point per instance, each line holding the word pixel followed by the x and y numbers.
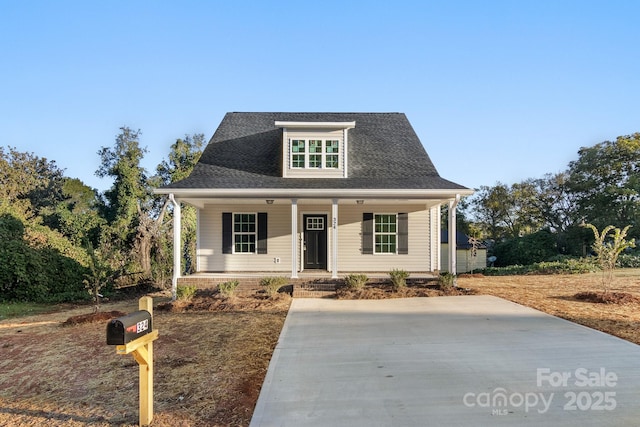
pixel 315 242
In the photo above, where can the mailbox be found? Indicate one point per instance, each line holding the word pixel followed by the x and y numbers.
pixel 127 328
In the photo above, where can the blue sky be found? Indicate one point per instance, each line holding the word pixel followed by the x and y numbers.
pixel 496 90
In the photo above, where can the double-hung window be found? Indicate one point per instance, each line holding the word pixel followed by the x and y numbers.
pixel 385 233
pixel 315 153
pixel 244 233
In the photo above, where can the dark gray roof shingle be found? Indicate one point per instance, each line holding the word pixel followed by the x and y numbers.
pixel 246 152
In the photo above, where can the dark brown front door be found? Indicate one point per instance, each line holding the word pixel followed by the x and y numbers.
pixel 315 242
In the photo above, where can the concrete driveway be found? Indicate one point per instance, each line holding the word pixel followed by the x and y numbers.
pixel 447 361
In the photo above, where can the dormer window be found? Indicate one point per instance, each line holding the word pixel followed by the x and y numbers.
pixel 315 154
pixel 314 149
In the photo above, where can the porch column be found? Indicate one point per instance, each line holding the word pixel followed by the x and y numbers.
pixel 453 203
pixel 177 247
pixel 334 239
pixel 294 238
pixel 435 238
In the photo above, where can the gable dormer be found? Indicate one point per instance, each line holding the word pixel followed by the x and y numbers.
pixel 314 149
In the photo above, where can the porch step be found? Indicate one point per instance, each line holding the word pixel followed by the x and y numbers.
pixel 314 290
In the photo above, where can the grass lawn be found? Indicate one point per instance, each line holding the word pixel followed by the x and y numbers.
pixel 210 361
pixel 17 309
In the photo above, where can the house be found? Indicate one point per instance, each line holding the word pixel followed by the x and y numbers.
pixel 315 193
pixel 466 260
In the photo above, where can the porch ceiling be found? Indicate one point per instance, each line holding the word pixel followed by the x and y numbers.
pixel 201 202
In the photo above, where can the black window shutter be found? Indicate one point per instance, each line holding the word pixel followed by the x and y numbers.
pixel 367 233
pixel 403 233
pixel 227 233
pixel 262 232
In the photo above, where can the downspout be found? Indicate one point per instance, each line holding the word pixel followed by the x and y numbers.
pixel 177 247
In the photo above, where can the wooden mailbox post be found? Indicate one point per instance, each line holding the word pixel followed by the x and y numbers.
pixel 134 334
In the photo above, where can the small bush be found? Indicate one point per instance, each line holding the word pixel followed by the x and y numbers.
pixel 356 281
pixel 446 280
pixel 273 284
pixel 184 292
pixel 562 266
pixel 227 289
pixel 398 278
pixel 629 260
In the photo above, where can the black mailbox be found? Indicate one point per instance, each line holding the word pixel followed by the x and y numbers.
pixel 127 328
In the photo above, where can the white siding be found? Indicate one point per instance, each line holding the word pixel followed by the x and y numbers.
pixel 350 257
pixel 211 258
pixel 464 261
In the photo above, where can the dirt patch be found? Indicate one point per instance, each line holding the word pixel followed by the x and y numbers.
pixel 209 368
pixel 607 297
pixel 101 316
pixel 212 301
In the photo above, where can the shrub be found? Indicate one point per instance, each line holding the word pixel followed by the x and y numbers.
pixel 273 284
pixel 227 289
pixel 186 291
pixel 356 281
pixel 629 261
pixel 526 250
pixel 398 278
pixel 446 280
pixel 562 266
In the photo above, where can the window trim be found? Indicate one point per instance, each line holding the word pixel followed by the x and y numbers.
pixel 228 241
pixel 235 233
pixel 323 154
pixel 402 233
pixel 380 233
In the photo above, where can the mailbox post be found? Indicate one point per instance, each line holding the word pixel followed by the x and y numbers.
pixel 134 334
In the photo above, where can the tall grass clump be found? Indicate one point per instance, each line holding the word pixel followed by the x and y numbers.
pixel 271 285
pixel 185 292
pixel 228 289
pixel 398 278
pixel 446 280
pixel 355 281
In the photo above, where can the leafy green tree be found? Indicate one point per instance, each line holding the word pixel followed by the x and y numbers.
pixel 30 184
pixel 183 156
pixel 126 204
pixel 77 216
pixel 605 180
pixel 504 211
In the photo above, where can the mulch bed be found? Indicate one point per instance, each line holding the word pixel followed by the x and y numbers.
pixel 210 301
pixel 607 297
pixel 385 291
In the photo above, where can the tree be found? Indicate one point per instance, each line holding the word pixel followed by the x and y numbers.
pixel 183 156
pixel 605 181
pixel 126 204
pixel 507 211
pixel 30 184
pixel 608 250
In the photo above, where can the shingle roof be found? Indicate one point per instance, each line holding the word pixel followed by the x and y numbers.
pixel 384 153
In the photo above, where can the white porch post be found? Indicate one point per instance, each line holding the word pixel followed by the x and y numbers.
pixel 453 203
pixel 334 239
pixel 294 238
pixel 177 247
pixel 436 239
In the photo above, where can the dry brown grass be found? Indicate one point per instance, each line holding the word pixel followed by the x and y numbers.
pixel 212 354
pixel 209 367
